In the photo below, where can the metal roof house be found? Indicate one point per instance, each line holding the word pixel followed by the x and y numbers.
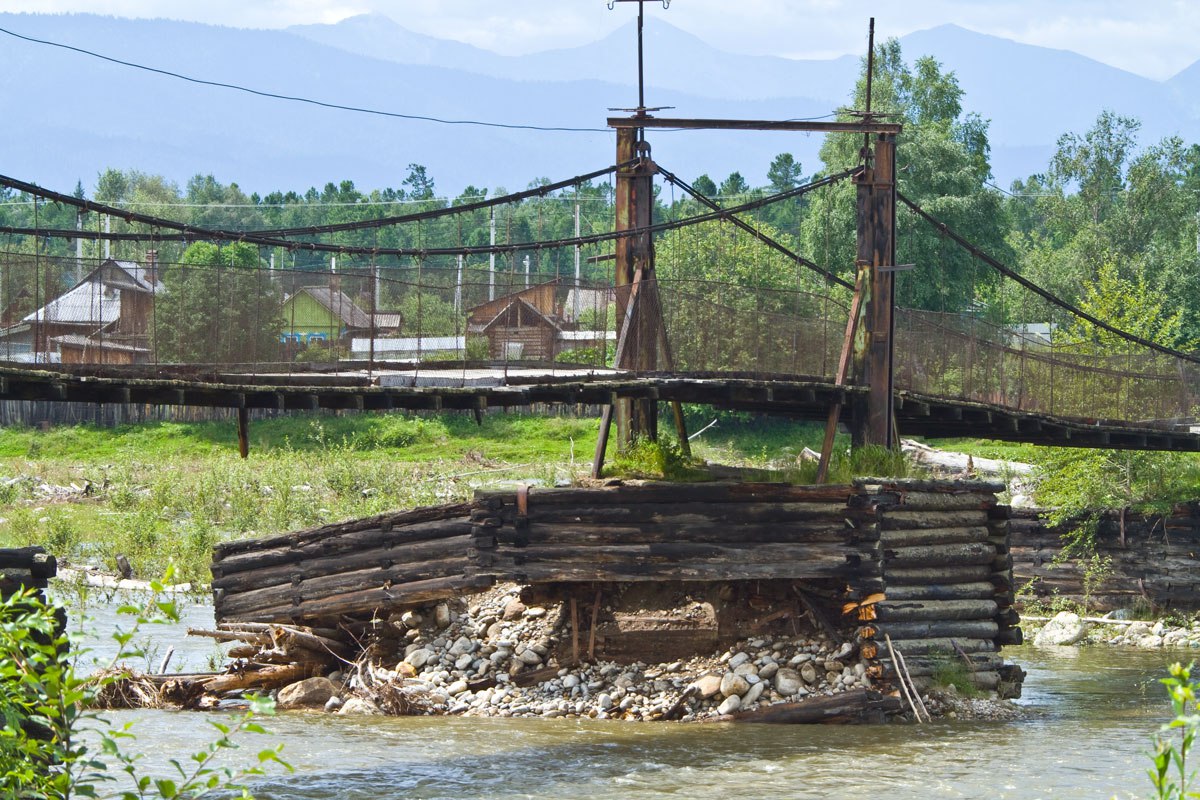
pixel 114 303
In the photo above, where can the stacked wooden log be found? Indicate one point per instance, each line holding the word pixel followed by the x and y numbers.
pixel 1145 559
pixel 27 567
pixel 354 568
pixel 947 578
pixel 666 532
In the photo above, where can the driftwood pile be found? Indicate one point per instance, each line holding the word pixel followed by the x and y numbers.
pixel 1149 559
pixel 946 575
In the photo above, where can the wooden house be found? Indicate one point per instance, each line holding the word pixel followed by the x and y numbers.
pixel 112 304
pixel 321 314
pixel 521 325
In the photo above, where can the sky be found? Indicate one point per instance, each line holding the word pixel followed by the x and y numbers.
pixel 1153 38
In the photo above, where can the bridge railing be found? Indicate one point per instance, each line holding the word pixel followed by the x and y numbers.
pixel 963 357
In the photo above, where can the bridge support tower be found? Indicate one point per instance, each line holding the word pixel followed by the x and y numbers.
pixel 873 417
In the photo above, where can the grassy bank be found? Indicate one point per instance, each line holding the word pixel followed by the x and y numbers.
pixel 163 492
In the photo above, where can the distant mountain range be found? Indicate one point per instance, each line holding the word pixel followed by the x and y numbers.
pixel 70 116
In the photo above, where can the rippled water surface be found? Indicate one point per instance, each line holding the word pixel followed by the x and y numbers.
pixel 1091 714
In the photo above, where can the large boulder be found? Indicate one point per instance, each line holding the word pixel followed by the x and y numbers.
pixel 309 693
pixel 1064 629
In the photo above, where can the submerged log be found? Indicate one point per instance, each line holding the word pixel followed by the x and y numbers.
pixel 856 705
pixel 271 676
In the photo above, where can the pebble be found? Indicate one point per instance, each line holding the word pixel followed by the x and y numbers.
pixel 499 638
pixel 733 684
pixel 419 658
pixel 729 705
pixel 788 681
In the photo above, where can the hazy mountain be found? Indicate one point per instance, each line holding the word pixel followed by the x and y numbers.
pixel 673 58
pixel 70 116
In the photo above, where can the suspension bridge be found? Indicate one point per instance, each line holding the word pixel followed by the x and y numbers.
pixel 749 324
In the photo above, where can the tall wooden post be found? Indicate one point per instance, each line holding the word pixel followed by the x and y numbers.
pixel 635 262
pixel 873 418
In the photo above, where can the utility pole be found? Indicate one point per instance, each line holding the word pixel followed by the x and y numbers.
pixel 458 287
pixel 577 256
pixel 526 272
pixel 492 254
pixel 79 247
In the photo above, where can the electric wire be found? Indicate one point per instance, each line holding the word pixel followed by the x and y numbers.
pixel 298 99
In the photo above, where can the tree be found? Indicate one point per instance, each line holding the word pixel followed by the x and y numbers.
pixel 942 164
pixel 218 305
pixel 784 173
pixel 420 185
pixel 705 186
pixel 734 185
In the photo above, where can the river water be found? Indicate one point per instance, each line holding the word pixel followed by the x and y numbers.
pixel 1091 713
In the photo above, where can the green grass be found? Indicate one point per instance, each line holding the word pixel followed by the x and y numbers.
pixel 169 491
pixel 164 492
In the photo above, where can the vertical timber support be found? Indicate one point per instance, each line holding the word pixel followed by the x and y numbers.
pixel 874 417
pixel 636 419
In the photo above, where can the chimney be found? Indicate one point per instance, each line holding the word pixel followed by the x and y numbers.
pixel 152 267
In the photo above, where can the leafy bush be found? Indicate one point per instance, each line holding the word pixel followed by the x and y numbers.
pixel 1173 742
pixel 44 750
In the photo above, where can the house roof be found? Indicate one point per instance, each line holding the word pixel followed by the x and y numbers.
pixel 96 300
pixel 338 304
pixel 89 303
pixel 75 340
pixel 516 304
pixel 540 295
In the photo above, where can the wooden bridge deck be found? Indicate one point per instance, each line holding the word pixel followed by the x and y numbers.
pixel 479 387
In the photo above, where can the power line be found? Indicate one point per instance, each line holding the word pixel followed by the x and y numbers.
pixel 298 99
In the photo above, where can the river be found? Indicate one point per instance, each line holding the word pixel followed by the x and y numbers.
pixel 1091 713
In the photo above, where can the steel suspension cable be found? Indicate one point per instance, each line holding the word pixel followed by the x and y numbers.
pixel 189 233
pixel 757 234
pixel 311 230
pixel 1045 294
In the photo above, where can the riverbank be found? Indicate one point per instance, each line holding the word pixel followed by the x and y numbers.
pixel 1067 629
